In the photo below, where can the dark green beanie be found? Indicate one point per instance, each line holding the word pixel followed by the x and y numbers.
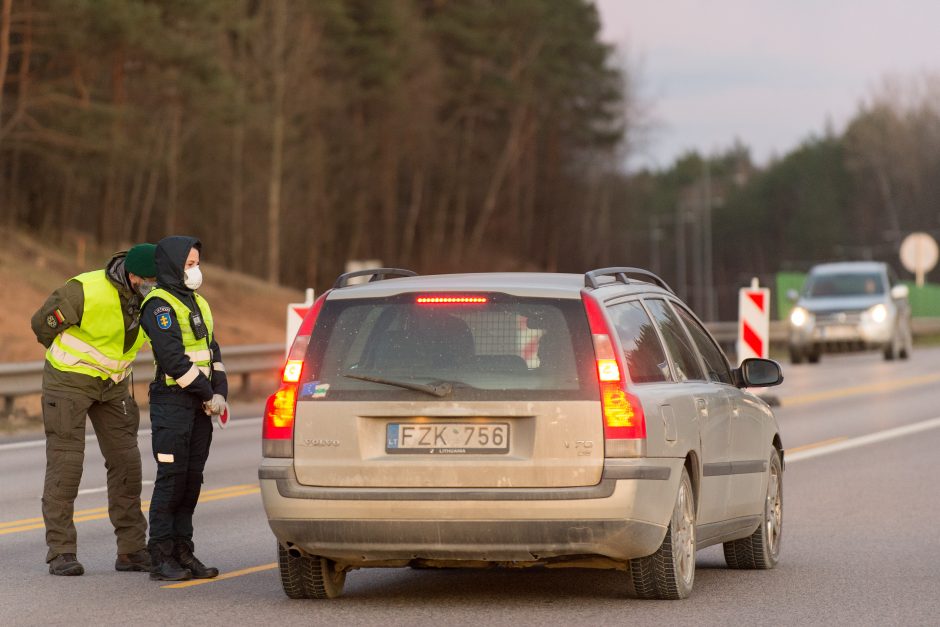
pixel 140 260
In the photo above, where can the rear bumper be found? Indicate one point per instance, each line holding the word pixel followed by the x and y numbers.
pixel 622 517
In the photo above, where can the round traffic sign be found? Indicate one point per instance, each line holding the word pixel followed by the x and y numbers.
pixel 919 253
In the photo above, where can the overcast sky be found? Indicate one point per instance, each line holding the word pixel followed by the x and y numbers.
pixel 768 72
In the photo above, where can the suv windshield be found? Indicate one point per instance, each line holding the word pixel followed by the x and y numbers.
pixel 394 347
pixel 846 284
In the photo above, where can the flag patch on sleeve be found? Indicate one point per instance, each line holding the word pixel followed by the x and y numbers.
pixel 55 318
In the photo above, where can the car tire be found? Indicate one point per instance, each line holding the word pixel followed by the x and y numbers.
pixel 796 356
pixel 669 572
pixel 309 577
pixel 813 356
pixel 761 549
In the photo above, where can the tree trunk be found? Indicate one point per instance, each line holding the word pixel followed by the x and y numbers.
pixel 113 195
pixel 5 13
pixel 509 155
pixel 172 165
pixel 411 220
pixel 277 141
pixel 389 191
pixel 150 196
pixel 462 169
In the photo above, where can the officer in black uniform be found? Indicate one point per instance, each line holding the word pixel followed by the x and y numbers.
pixel 189 386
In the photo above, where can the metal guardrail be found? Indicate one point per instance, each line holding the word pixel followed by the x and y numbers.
pixel 24 378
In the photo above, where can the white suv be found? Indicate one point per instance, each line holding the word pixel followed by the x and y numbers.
pixel 521 420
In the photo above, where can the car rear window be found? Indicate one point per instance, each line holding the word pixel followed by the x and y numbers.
pixel 508 347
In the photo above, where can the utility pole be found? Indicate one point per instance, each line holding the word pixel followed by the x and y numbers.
pixel 656 236
pixel 711 313
pixel 680 250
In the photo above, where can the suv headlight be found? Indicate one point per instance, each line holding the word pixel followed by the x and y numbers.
pixel 878 313
pixel 799 317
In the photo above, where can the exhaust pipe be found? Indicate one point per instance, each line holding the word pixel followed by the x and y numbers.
pixel 293 551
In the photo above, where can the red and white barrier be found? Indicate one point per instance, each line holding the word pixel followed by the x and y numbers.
pixel 753 322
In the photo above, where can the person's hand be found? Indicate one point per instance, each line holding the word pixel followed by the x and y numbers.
pixel 215 406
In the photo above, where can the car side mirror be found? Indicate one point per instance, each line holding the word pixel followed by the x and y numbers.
pixel 793 295
pixel 899 292
pixel 758 373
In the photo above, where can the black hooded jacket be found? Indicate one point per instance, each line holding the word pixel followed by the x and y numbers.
pixel 167 341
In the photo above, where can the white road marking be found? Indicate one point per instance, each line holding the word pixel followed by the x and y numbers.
pixel 241 422
pixel 864 440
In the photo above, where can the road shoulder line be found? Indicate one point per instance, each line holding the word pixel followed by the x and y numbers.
pixel 863 440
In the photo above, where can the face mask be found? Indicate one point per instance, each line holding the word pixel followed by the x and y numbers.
pixel 145 287
pixel 192 278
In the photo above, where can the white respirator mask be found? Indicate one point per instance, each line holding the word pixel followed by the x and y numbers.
pixel 192 277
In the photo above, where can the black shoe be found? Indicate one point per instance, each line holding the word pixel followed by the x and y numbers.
pixel 138 561
pixel 183 552
pixel 66 565
pixel 169 570
pixel 198 569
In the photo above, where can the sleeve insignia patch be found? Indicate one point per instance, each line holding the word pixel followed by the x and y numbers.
pixel 162 309
pixel 51 321
pixel 164 321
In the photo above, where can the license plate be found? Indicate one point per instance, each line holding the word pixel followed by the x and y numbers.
pixel 450 438
pixel 838 332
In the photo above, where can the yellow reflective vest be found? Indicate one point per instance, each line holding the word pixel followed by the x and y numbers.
pixel 95 346
pixel 195 348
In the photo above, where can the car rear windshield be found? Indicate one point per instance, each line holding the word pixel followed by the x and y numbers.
pixel 506 348
pixel 845 284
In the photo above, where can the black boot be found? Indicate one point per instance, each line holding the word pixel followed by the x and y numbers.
pixel 183 552
pixel 164 566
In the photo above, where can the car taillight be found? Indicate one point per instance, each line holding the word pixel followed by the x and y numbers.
pixel 277 431
pixel 624 421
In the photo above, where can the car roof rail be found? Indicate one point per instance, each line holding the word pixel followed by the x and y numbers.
pixel 620 274
pixel 376 274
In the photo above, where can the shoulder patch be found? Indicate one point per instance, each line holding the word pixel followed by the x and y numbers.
pixel 51 321
pixel 162 309
pixel 164 319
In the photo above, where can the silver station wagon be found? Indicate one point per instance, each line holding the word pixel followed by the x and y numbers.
pixel 517 419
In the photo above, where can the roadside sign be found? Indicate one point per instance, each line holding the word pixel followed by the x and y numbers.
pixel 753 322
pixel 295 316
pixel 919 255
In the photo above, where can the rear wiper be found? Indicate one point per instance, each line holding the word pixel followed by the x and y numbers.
pixel 440 389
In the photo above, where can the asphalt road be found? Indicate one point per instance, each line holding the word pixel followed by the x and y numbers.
pixel 860 543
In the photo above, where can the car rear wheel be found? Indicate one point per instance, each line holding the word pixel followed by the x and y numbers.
pixel 761 549
pixel 669 572
pixel 813 356
pixel 309 577
pixel 796 356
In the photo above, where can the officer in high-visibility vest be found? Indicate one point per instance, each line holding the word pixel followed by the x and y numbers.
pixel 189 386
pixel 91 330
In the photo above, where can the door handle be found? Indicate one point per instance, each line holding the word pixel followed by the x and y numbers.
pixel 702 407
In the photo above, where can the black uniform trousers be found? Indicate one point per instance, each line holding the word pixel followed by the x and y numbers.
pixel 181 437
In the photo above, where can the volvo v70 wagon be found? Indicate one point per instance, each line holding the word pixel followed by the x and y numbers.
pixel 517 419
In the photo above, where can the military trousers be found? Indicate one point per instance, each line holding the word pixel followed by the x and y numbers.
pixel 115 418
pixel 181 437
